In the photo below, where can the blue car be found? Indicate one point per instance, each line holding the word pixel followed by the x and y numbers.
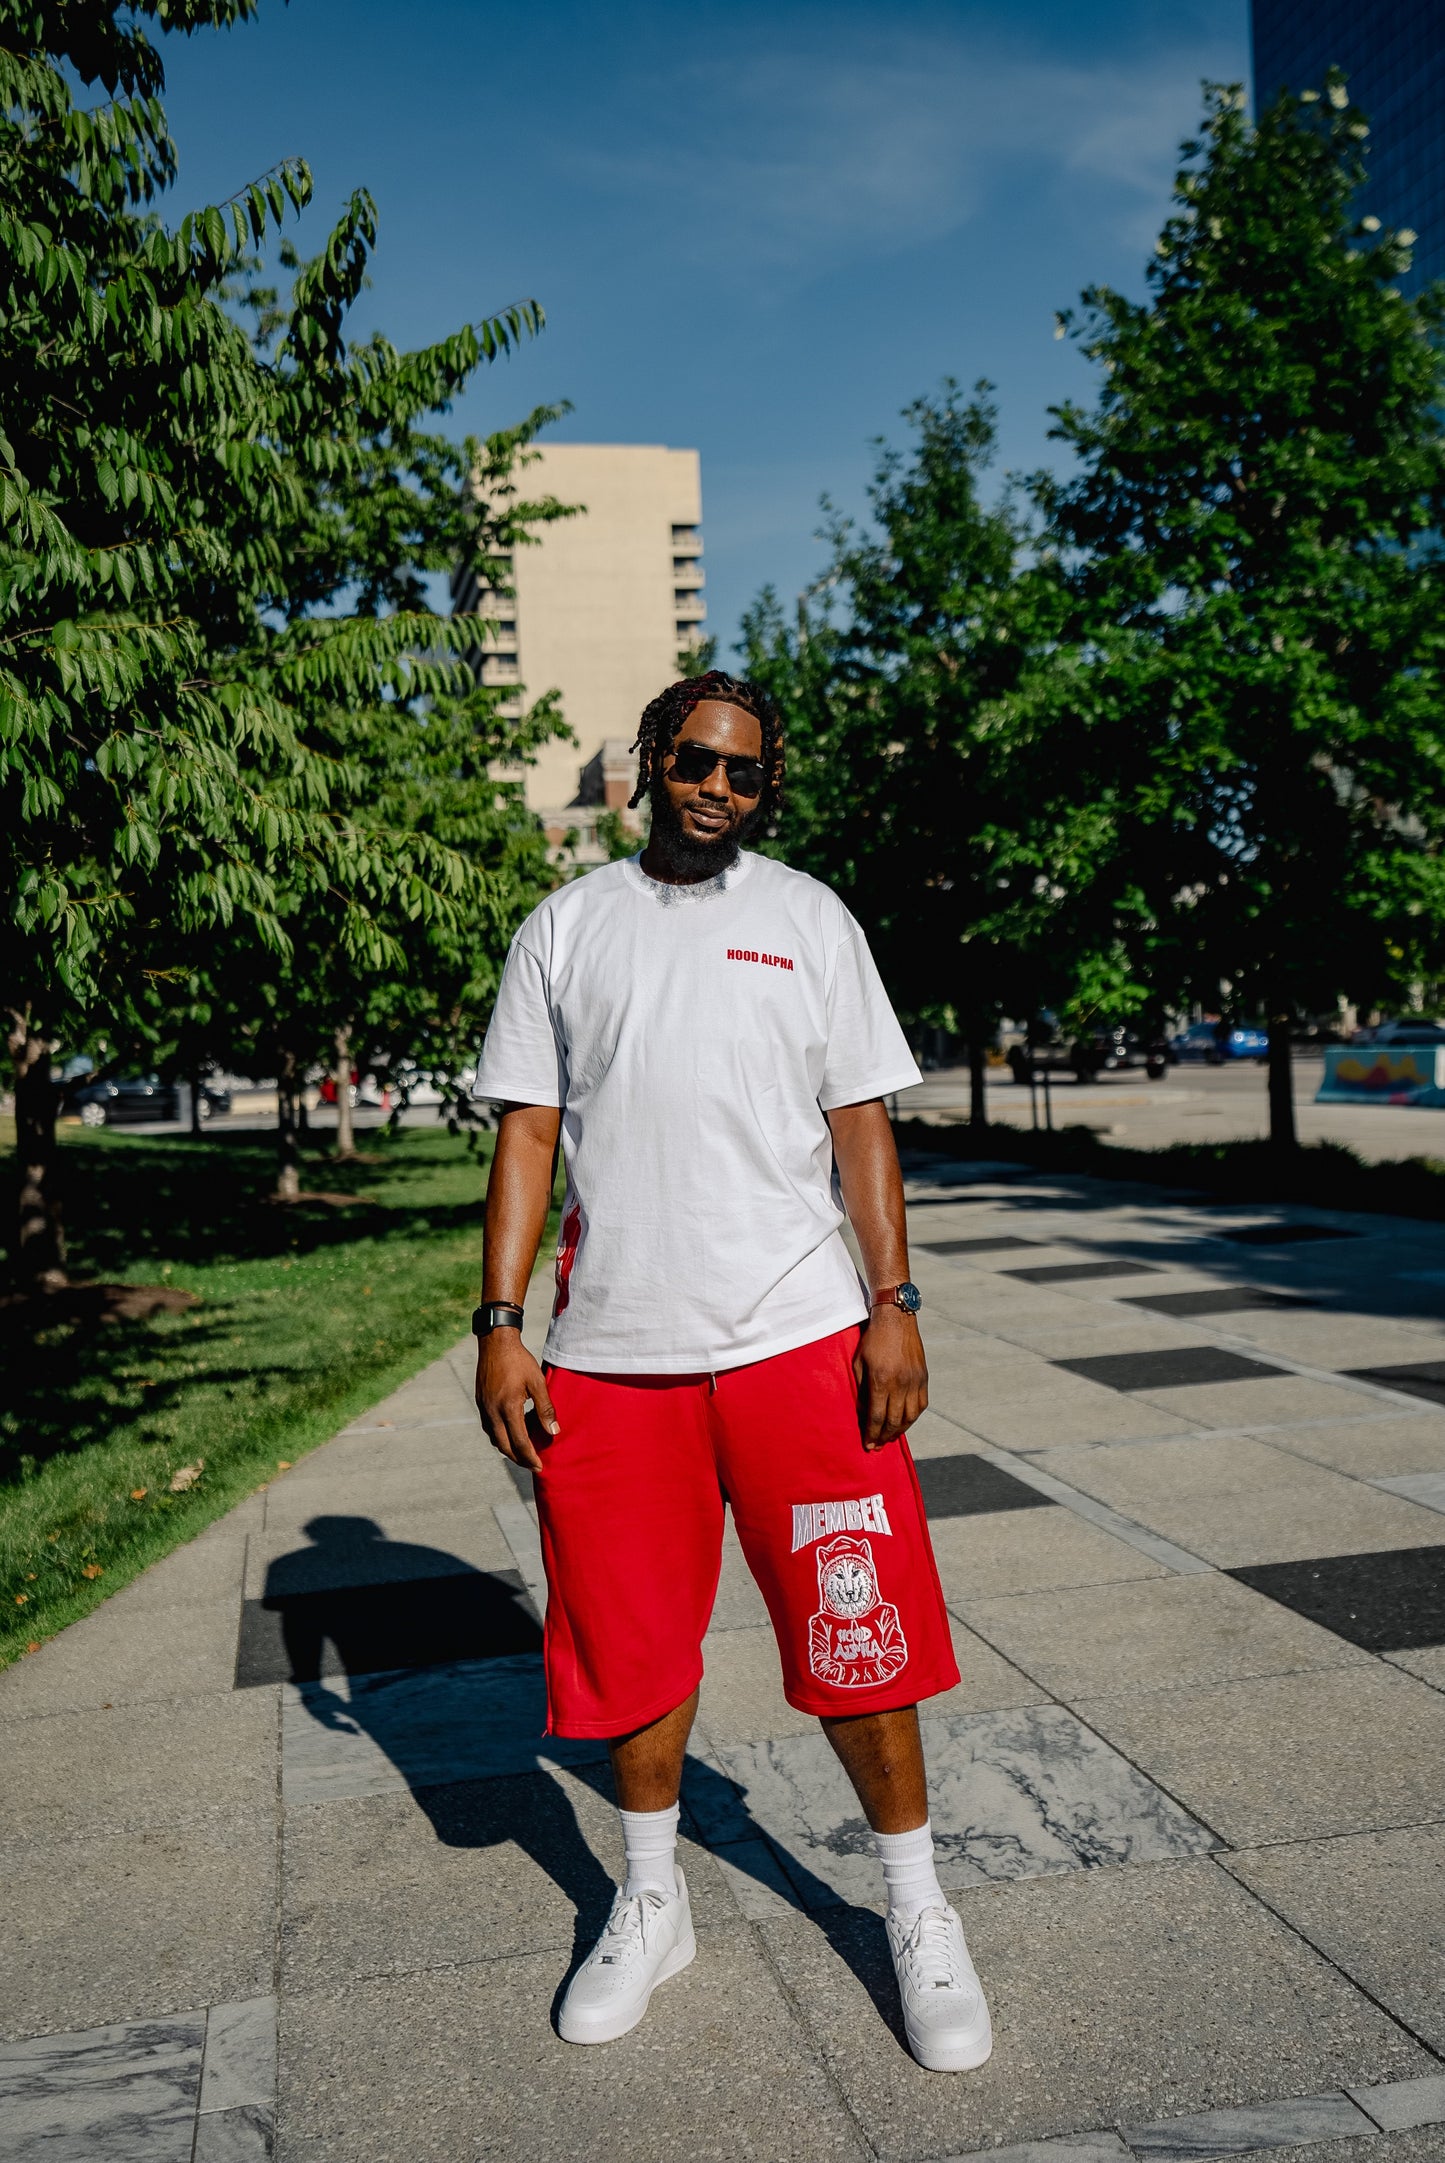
pixel 1207 1042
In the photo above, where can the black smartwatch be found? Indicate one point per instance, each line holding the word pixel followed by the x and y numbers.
pixel 495 1314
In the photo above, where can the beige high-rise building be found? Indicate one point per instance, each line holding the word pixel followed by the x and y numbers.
pixel 602 605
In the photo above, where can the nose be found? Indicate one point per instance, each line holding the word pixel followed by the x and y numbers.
pixel 715 787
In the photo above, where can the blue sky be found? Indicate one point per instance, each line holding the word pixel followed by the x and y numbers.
pixel 759 230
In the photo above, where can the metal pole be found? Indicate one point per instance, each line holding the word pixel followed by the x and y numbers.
pixel 1048 1103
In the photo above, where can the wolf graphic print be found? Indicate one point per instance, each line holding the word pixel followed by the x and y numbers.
pixel 856 1638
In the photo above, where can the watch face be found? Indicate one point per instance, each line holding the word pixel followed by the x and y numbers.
pixel 910 1299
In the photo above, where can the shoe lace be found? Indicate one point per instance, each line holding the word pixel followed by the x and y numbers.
pixel 624 1934
pixel 932 1950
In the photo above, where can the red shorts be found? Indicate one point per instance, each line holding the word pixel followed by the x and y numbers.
pixel 630 1500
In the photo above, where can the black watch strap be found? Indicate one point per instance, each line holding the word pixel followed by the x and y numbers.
pixel 495 1314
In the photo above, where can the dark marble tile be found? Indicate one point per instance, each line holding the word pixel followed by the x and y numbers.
pixel 1219 1299
pixel 1184 1365
pixel 125 2094
pixel 378 1629
pixel 1078 1272
pixel 1391 1602
pixel 976 1246
pixel 969 1486
pixel 1284 1235
pixel 1425 1378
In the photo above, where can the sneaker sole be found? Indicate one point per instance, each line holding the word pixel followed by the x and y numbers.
pixel 962 2057
pixel 608 2026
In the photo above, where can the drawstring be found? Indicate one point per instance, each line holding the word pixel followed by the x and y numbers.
pixel 712 1385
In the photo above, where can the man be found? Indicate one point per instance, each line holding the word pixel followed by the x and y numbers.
pixel 705 1033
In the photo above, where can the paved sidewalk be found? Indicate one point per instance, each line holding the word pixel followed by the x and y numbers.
pixel 1186 1470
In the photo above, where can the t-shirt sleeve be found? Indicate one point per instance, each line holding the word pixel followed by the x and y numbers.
pixel 522 1061
pixel 868 1055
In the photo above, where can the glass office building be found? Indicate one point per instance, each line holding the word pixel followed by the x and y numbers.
pixel 1393 54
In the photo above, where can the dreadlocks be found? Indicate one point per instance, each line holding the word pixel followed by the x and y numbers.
pixel 657 730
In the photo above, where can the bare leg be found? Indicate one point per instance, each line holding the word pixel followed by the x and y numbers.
pixel 882 1754
pixel 647 1765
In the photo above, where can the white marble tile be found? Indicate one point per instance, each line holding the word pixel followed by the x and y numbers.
pixel 243 2135
pixel 240 2060
pixel 125 2094
pixel 474 1720
pixel 1426 1487
pixel 1397 2106
pixel 1291 2123
pixel 1011 1795
pixel 1067 2148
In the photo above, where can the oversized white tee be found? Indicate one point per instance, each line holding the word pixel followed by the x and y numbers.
pixel 693 1037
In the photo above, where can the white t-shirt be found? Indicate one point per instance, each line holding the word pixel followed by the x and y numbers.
pixel 693 1037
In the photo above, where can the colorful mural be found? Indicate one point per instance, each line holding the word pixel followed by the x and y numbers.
pixel 1383 1074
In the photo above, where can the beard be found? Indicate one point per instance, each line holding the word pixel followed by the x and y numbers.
pixel 688 856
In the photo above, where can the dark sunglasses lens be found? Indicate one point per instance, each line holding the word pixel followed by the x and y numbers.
pixel 693 761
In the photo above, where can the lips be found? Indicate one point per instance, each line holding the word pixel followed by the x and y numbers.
pixel 710 822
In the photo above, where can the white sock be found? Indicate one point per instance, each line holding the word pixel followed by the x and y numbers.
pixel 908 1872
pixel 650 1840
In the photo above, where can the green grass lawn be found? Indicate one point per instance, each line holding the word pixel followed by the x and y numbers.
pixel 308 1315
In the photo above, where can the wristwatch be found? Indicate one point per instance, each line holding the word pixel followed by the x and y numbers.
pixel 495 1314
pixel 905 1295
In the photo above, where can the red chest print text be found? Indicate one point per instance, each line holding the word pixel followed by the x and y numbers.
pixel 767 961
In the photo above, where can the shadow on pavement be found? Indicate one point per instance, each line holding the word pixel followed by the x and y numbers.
pixel 443 1663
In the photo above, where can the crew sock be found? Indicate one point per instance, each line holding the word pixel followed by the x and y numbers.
pixel 908 1872
pixel 650 1840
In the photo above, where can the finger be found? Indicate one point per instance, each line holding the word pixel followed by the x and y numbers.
pixel 522 1450
pixel 542 1405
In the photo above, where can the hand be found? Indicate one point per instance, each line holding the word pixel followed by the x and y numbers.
pixel 892 1375
pixel 507 1375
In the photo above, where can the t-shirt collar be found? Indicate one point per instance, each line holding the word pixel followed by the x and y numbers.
pixel 668 896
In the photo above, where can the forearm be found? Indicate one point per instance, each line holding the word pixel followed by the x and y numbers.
pixel 519 1193
pixel 872 1184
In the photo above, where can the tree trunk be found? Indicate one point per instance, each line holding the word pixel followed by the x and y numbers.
pixel 39 1238
pixel 288 1178
pixel 1282 1131
pixel 977 1073
pixel 195 1107
pixel 341 1075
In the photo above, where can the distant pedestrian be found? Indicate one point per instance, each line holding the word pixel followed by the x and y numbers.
pixel 705 1032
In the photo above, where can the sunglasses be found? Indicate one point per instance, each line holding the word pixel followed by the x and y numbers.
pixel 694 761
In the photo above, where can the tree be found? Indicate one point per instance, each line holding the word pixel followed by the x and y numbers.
pixel 164 688
pixel 929 776
pixel 1255 586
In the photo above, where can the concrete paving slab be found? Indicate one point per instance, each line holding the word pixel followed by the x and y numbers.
pixel 479 1871
pixel 403 1491
pixel 743 1701
pixel 123 1655
pixel 1110 1329
pixel 372 1629
pixel 1428 1662
pixel 199 1574
pixel 1094 1981
pixel 350 1548
pixel 1374 1903
pixel 1030 1551
pixel 739 1604
pixel 74 1772
pixel 1011 1794
pixel 464 2062
pixel 1426 1488
pixel 377 1734
pixel 120 2094
pixel 1049 1422
pixel 1370 1449
pixel 932 1435
pixel 1287 1757
pixel 1237 1500
pixel 1317 1337
pixel 363 1452
pixel 1279 1401
pixel 122 1926
pixel 1162 1634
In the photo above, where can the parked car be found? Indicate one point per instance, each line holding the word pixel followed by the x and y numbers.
pixel 131 1099
pixel 1109 1048
pixel 1412 1029
pixel 1215 1045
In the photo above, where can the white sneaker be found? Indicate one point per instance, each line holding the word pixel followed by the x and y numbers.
pixel 646 1940
pixel 945 2014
